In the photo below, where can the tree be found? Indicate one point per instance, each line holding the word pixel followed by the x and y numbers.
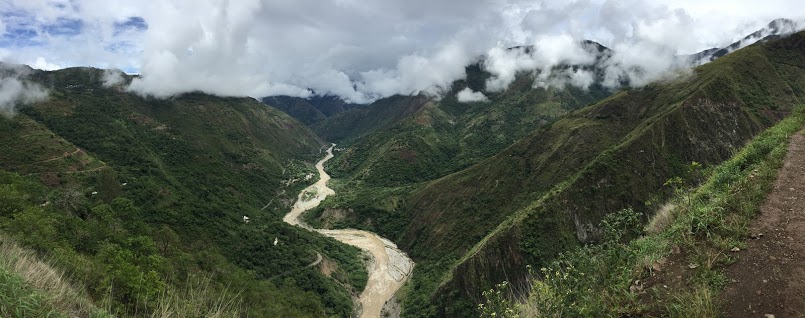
pixel 108 186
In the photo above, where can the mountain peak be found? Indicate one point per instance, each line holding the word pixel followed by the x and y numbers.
pixel 775 28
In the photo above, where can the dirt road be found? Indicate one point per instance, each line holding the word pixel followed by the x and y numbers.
pixel 769 277
pixel 390 268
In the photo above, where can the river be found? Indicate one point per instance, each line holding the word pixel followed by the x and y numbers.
pixel 389 268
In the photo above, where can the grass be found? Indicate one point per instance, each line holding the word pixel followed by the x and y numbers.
pixel 31 287
pixel 198 299
pixel 16 300
pixel 598 280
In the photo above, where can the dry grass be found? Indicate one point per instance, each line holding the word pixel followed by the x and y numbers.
pixel 198 300
pixel 662 220
pixel 41 276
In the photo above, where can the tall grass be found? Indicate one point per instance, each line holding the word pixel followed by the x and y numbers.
pixel 32 287
pixel 198 299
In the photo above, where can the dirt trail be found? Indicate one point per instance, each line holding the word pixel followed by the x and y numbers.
pixel 769 277
pixel 65 155
pixel 390 268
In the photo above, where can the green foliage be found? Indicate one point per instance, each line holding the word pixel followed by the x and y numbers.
pixel 497 303
pixel 622 226
pixel 172 179
pixel 108 186
pixel 679 184
pixel 551 189
pixel 16 300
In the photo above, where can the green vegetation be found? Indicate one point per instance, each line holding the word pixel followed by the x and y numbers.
pixel 607 279
pixel 30 287
pixel 140 202
pixel 400 141
pixel 309 110
pixel 533 174
pixel 376 215
pixel 19 301
pixel 595 161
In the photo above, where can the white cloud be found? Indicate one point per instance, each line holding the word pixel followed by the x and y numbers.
pixel 468 96
pixel 560 79
pixel 15 91
pixel 362 50
pixel 42 64
pixel 416 74
pixel 545 53
pixel 112 77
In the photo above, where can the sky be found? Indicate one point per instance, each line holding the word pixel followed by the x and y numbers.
pixel 362 50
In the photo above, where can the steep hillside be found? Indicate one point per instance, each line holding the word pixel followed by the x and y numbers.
pixel 702 255
pixel 361 121
pixel 140 199
pixel 550 190
pixel 309 110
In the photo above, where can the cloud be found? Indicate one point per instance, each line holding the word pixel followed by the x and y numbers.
pixel 416 74
pixel 112 77
pixel 42 64
pixel 468 96
pixel 539 58
pixel 14 91
pixel 364 50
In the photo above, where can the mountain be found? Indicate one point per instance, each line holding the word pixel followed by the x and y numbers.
pixel 141 200
pixel 543 180
pixel 776 28
pixel 309 110
pixel 612 155
pixel 403 140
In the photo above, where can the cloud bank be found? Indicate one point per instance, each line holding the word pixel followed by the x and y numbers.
pixel 364 50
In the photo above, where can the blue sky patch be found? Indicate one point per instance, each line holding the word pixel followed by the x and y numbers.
pixel 20 30
pixel 131 24
pixel 64 27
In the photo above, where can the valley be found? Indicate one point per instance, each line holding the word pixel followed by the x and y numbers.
pixel 409 160
pixel 389 267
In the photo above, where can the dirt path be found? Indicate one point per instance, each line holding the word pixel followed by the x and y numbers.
pixel 390 268
pixel 65 155
pixel 318 260
pixel 769 277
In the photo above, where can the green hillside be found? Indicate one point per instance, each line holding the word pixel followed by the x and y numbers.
pixel 363 120
pixel 309 110
pixel 601 159
pixel 405 140
pixel 548 183
pixel 140 200
pixel 631 272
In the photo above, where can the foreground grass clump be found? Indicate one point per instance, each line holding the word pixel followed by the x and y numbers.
pixel 30 287
pixel 698 228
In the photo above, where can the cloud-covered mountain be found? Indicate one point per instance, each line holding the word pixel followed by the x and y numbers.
pixel 360 51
